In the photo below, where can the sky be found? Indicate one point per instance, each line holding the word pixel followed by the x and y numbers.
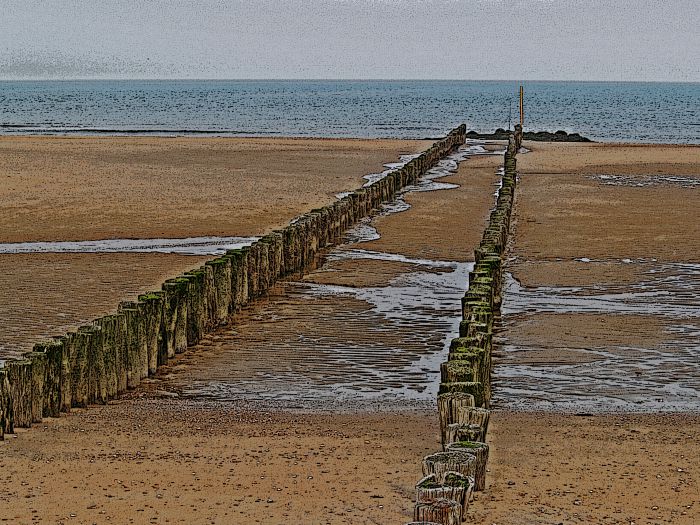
pixel 642 40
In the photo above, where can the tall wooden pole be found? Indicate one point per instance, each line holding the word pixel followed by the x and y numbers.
pixel 522 107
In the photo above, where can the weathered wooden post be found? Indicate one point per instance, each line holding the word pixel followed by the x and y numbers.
pixel 67 342
pixel 481 453
pixel 475 416
pixel 38 376
pixel 474 388
pixel 218 275
pixel 53 352
pixel 443 511
pixel 455 487
pixel 151 306
pixel 197 316
pixel 462 432
pixel 96 369
pixel 447 409
pixel 441 463
pixel 135 339
pixel 80 371
pixel 6 410
pixel 19 374
pixel 175 316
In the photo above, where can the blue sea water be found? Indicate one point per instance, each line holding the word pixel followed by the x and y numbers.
pixel 605 111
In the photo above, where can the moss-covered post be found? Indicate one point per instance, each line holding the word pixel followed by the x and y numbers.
pixel 38 370
pixel 53 358
pixel 68 343
pixel 19 373
pixel 239 279
pixel 6 410
pixel 97 372
pixel 134 340
pixel 289 257
pixel 80 377
pixel 218 276
pixel 197 309
pixel 121 354
pixel 455 487
pixel 481 453
pixel 175 316
pixel 278 236
pixel 107 326
pixel 151 304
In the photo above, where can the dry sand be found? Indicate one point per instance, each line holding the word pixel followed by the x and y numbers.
pixel 550 469
pixel 563 211
pixel 85 188
pixel 168 461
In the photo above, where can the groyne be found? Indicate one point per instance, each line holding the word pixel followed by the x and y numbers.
pixel 103 359
pixel 451 475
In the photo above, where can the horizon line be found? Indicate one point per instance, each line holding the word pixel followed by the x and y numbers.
pixel 252 79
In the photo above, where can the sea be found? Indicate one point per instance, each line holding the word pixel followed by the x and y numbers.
pixel 602 111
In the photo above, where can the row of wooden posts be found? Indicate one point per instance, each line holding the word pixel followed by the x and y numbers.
pixel 99 361
pixel 452 475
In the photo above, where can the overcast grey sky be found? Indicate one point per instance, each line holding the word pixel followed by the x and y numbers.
pixel 445 39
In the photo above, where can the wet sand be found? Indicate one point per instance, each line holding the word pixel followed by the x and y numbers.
pixel 50 293
pixel 600 337
pixel 442 222
pixel 605 271
pixel 169 454
pixel 368 328
pixel 57 189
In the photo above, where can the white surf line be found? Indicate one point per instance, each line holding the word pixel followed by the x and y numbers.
pixel 184 246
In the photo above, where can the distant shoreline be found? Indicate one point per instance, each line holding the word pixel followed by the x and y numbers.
pixel 402 109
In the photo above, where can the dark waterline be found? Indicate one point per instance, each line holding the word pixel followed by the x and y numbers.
pixel 607 111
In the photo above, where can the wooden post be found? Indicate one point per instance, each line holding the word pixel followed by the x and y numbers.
pixel 19 373
pixel 455 487
pixel 448 404
pixel 53 352
pixel 522 106
pixel 459 432
pixel 441 463
pixel 443 511
pixel 6 409
pixel 481 453
pixel 475 416
pixel 38 373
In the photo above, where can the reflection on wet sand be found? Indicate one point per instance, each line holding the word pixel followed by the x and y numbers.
pixel 341 337
pixel 632 346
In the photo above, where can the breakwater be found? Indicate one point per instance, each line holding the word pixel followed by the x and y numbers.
pixel 114 353
pixel 451 475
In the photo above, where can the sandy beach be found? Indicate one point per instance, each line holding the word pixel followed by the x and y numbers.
pixel 87 188
pixel 239 459
pixel 164 454
pixel 82 188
